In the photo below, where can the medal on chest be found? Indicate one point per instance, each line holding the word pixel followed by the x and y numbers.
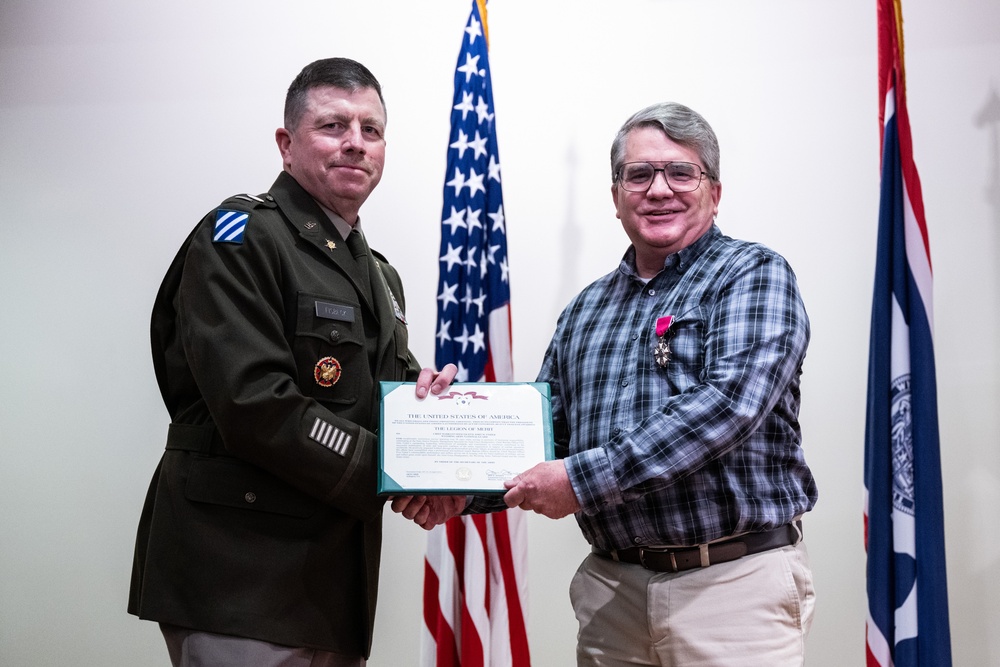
pixel 661 353
pixel 327 372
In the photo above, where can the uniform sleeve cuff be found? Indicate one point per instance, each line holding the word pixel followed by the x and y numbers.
pixel 484 504
pixel 355 492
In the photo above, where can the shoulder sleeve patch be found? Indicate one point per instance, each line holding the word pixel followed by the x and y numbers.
pixel 230 226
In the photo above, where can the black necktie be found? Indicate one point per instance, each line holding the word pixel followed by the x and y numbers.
pixel 359 249
pixel 356 244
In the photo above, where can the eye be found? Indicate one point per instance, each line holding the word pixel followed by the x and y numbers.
pixel 682 171
pixel 637 173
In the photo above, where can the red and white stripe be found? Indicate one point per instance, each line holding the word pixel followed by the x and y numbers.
pixel 474 588
pixel 475 572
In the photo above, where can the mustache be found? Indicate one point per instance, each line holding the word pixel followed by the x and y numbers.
pixel 360 163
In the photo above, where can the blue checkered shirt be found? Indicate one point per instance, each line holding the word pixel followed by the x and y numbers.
pixel 707 446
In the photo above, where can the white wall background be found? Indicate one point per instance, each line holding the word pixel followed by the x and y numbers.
pixel 122 123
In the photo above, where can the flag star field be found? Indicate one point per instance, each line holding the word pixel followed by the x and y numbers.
pixel 474 278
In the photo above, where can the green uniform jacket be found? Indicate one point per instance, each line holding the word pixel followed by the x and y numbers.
pixel 261 520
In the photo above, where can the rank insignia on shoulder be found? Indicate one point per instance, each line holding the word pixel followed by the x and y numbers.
pixel 230 226
pixel 250 198
pixel 326 372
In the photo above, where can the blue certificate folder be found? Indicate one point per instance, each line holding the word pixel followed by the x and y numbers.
pixel 459 442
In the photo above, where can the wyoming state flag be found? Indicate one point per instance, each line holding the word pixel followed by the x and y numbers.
pixel 907 622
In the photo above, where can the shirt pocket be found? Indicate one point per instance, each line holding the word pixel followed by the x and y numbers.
pixel 686 338
pixel 329 348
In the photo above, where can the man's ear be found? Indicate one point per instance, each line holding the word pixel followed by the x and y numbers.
pixel 716 197
pixel 284 139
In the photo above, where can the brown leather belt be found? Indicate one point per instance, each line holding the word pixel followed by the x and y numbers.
pixel 664 559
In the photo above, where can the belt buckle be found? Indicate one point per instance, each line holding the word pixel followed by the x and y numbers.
pixel 654 550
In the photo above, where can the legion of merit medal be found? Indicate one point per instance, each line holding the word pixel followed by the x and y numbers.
pixel 662 351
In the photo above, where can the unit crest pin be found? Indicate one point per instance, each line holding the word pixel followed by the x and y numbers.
pixel 327 372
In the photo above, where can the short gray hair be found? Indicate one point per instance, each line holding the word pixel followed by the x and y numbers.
pixel 683 125
pixel 342 73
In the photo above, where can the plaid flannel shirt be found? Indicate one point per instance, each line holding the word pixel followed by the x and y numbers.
pixel 707 446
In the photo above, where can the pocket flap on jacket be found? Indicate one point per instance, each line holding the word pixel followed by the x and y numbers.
pixel 233 483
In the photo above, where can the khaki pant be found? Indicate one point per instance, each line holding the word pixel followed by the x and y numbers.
pixel 751 612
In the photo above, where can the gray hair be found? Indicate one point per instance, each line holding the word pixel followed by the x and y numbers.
pixel 342 73
pixel 683 125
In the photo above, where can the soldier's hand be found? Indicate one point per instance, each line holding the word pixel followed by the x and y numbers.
pixel 429 511
pixel 434 382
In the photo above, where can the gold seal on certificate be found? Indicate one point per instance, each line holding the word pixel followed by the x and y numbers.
pixel 469 439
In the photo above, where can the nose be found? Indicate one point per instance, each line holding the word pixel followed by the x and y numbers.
pixel 353 141
pixel 659 186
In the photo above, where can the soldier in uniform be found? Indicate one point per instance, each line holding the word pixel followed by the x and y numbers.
pixel 260 537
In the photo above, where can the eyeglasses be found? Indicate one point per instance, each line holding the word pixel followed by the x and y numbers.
pixel 681 176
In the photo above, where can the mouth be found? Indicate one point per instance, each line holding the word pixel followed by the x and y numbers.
pixel 351 167
pixel 661 213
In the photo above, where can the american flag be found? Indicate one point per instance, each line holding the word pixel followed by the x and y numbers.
pixel 474 573
pixel 904 514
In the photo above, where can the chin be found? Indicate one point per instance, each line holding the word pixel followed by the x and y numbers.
pixel 663 241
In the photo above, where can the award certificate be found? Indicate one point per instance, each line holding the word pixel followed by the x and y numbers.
pixel 468 439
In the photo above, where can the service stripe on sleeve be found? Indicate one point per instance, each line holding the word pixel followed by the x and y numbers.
pixel 330 436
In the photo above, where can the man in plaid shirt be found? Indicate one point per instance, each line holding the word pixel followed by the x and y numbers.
pixel 675 400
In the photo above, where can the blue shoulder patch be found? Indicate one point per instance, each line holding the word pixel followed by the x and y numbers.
pixel 230 226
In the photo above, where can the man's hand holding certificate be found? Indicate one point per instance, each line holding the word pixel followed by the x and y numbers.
pixel 470 438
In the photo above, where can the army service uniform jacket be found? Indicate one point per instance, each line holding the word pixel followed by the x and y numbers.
pixel 262 519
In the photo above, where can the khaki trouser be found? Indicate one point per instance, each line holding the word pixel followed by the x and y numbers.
pixel 752 612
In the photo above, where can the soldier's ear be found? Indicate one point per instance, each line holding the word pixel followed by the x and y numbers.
pixel 284 140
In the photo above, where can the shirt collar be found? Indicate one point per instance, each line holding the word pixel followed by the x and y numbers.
pixel 342 225
pixel 678 261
